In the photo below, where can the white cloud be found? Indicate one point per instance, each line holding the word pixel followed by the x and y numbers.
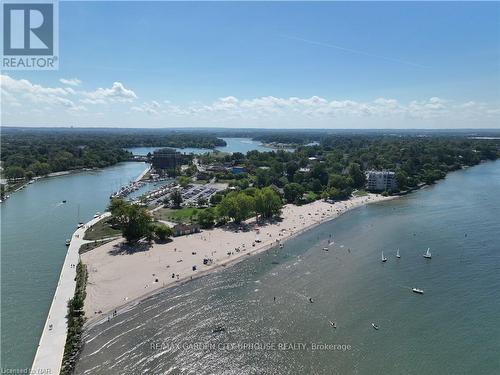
pixel 117 93
pixel 151 108
pixel 22 98
pixel 17 92
pixel 70 81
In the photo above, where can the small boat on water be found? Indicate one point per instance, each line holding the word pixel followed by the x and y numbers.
pixel 219 329
pixel 417 290
pixel 325 249
pixel 427 254
pixel 64 201
pixel 384 259
pixel 375 326
pixel 80 224
pixel 397 254
pixel 333 324
pixel 68 242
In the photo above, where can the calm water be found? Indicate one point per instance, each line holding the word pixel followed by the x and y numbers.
pixel 242 145
pixel 452 329
pixel 34 225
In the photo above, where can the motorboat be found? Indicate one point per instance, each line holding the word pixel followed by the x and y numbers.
pixel 68 241
pixel 325 248
pixel 375 326
pixel 417 290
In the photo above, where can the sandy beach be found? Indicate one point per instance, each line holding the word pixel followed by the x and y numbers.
pixel 120 276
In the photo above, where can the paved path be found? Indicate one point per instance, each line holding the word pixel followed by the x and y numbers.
pixel 49 354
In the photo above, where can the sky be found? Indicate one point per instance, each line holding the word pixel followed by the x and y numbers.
pixel 266 65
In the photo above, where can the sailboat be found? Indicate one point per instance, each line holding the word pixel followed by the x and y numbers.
pixel 428 253
pixel 397 254
pixel 384 259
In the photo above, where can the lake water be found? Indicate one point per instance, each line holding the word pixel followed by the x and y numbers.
pixel 242 145
pixel 34 225
pixel 452 329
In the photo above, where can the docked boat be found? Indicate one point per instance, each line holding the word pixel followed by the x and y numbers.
pixel 397 254
pixel 375 326
pixel 384 259
pixel 417 290
pixel 80 224
pixel 68 242
pixel 427 254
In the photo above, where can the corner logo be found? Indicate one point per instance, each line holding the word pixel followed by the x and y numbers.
pixel 30 35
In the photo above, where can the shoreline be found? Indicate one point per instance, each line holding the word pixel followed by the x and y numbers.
pixel 106 296
pixel 50 349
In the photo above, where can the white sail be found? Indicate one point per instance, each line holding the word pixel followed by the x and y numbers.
pixel 397 254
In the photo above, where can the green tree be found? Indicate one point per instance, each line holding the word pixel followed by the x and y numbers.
pixel 402 179
pixel 293 192
pixel 262 178
pixel 237 206
pixel 267 203
pixel 176 198
pixel 206 218
pixel 162 232
pixel 357 175
pixel 14 172
pixel 138 223
pixel 183 181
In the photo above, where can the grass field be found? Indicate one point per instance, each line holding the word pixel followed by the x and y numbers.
pixel 100 230
pixel 182 215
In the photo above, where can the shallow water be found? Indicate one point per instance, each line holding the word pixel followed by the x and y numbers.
pixel 451 329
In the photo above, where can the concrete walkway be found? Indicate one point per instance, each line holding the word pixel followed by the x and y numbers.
pixel 49 354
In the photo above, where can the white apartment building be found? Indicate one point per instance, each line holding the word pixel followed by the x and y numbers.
pixel 381 181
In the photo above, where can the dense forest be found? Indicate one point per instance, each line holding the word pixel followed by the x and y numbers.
pixel 26 153
pixel 336 166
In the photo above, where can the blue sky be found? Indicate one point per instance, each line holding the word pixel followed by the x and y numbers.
pixel 301 64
